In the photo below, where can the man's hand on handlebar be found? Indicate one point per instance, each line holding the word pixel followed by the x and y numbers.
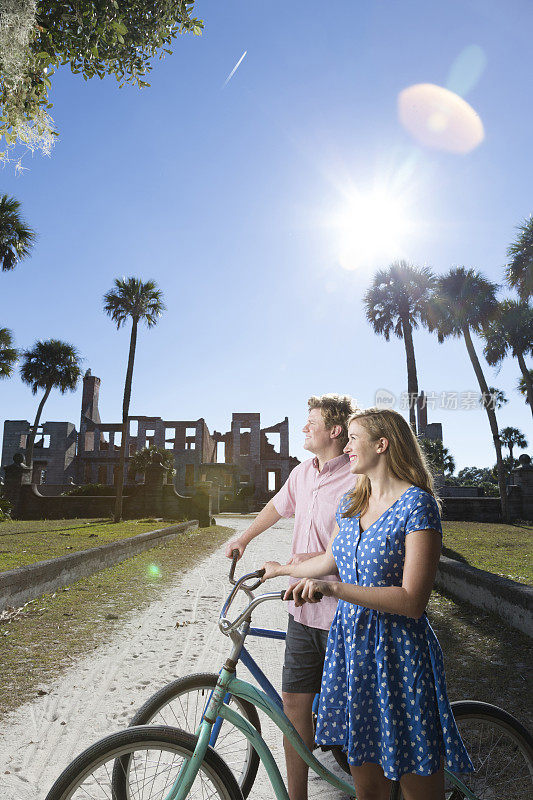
pixel 236 544
pixel 309 590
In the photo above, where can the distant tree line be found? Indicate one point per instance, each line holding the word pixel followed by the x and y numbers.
pixel 401 297
pixel 458 304
pixel 54 364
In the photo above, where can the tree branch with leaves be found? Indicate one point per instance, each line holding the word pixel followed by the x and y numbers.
pixel 94 39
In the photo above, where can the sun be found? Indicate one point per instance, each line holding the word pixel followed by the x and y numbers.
pixel 370 229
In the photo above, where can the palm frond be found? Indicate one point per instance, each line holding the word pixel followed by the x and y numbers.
pixel 16 238
pixel 131 298
pixel 51 363
pixel 519 270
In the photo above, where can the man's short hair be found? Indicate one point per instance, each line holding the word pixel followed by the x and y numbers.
pixel 336 410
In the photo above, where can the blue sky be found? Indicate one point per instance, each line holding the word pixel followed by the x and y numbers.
pixel 225 195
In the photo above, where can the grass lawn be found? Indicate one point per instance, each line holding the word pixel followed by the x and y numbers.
pixel 23 543
pixel 76 619
pixel 503 549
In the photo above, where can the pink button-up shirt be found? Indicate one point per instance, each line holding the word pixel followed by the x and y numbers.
pixel 312 498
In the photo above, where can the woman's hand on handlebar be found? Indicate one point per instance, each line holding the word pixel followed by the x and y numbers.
pixel 307 591
pixel 271 570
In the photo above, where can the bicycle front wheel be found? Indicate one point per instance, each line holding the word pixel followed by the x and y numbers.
pixel 182 703
pixel 144 762
pixel 500 749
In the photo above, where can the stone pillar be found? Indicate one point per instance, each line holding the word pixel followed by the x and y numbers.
pixel 284 438
pixel 236 440
pixel 421 413
pixel 255 440
pixel 17 475
pixel 522 476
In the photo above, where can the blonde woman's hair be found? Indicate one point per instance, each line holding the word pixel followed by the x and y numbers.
pixel 403 456
pixel 336 410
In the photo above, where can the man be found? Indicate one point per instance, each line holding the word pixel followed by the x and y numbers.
pixel 311 494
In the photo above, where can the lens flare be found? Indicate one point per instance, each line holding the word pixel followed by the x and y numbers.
pixel 439 118
pixel 154 571
pixel 466 70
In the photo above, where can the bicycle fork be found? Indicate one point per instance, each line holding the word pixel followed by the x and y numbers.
pixel 211 717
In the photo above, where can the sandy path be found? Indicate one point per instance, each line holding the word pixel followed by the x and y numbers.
pixel 99 694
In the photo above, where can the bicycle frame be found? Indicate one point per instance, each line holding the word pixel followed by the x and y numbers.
pixel 228 683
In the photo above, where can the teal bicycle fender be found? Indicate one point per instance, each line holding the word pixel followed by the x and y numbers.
pixel 260 699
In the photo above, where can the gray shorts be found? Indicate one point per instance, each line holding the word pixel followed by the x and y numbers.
pixel 305 650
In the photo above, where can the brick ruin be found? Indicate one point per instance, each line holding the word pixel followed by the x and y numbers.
pixel 246 460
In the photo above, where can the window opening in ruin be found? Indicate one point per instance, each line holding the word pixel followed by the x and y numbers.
pixel 104 440
pixel 274 439
pixel 132 450
pixel 228 479
pixel 246 435
pixel 134 427
pixel 190 432
pixel 117 440
pixel 89 441
pixel 189 474
pixel 23 440
pixel 102 474
pixel 149 436
pixel 87 473
pixel 190 445
pixel 170 435
pixel 204 476
pixel 221 453
pixel 44 441
pixel 271 478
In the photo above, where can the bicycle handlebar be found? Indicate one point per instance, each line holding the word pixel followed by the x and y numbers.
pixel 225 625
pixel 257 574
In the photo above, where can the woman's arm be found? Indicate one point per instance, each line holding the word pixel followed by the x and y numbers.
pixel 323 564
pixel 422 552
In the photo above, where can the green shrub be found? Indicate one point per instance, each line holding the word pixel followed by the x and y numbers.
pixel 5 508
pixel 91 489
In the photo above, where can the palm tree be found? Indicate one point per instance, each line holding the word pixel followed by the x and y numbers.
pixel 16 238
pixel 496 397
pixel 522 386
pixel 51 364
pixel 511 332
pixel 438 456
pixel 395 303
pixel 465 301
pixel 512 437
pixel 143 302
pixel 519 271
pixel 8 354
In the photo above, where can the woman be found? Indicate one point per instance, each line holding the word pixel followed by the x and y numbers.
pixel 383 696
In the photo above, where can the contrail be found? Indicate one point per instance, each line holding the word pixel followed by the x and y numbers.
pixel 235 68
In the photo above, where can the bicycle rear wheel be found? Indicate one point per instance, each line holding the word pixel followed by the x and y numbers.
pixel 181 704
pixel 144 762
pixel 501 750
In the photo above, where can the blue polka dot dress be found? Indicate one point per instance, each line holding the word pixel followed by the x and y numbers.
pixel 383 697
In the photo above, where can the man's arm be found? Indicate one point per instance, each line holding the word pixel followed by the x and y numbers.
pixel 267 517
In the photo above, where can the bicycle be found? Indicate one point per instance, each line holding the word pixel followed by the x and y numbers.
pixel 182 703
pixel 164 763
